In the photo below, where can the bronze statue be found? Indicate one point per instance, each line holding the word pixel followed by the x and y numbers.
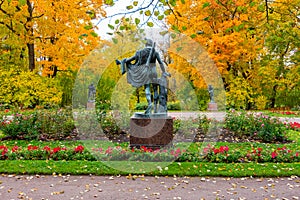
pixel 211 93
pixel 143 73
pixel 92 93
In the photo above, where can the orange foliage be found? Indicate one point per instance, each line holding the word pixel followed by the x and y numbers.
pixel 226 29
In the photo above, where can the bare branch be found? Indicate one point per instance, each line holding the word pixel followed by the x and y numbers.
pixel 151 14
pixel 126 13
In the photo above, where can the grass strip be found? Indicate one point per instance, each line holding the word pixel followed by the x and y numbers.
pixel 178 169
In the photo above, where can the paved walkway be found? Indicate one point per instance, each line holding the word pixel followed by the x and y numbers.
pixel 128 188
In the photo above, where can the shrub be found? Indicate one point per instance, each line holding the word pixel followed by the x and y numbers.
pixel 38 124
pixel 174 105
pixel 20 126
pixel 264 127
pixel 141 106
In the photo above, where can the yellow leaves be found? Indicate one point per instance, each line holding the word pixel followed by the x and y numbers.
pixel 27 88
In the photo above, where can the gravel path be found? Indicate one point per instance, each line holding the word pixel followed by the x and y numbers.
pixel 105 187
pixel 218 116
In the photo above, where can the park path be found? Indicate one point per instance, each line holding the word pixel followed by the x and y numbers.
pixel 140 187
pixel 218 115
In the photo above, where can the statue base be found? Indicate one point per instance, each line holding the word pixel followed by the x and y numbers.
pixel 90 105
pixel 154 115
pixel 153 131
pixel 212 106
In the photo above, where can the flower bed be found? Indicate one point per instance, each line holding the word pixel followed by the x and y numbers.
pixel 209 153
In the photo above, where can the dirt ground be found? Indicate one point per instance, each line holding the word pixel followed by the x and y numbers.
pixel 140 187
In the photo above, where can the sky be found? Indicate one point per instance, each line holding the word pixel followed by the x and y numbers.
pixel 119 9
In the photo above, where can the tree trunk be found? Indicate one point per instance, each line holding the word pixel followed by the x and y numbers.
pixel 273 98
pixel 31 56
pixel 138 95
pixel 30 31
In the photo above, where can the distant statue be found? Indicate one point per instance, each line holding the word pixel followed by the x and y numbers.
pixel 92 93
pixel 143 73
pixel 211 93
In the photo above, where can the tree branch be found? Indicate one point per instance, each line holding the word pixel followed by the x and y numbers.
pixel 151 14
pixel 126 13
pixel 267 10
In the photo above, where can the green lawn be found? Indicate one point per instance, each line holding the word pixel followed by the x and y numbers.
pixel 178 169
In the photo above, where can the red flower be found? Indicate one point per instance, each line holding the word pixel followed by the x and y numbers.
pixel 4 150
pixel 79 149
pixel 109 150
pixel 15 148
pixel 274 154
pixel 297 154
pixel 56 149
pixel 295 125
pixel 31 148
pixel 216 151
pixel 47 148
pixel 259 149
pixel 6 110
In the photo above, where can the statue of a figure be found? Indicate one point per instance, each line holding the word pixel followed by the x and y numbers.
pixel 143 73
pixel 211 93
pixel 92 93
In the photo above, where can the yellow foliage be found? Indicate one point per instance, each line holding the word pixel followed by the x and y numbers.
pixel 27 89
pixel 261 102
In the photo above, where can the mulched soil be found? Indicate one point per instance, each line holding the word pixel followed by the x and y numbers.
pixel 197 135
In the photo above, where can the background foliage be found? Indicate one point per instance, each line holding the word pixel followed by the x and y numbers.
pixel 254 43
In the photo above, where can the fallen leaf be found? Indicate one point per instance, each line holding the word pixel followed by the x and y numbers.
pixel 57 193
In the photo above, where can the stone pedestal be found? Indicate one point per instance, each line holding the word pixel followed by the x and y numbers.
pixel 212 106
pixel 90 105
pixel 152 132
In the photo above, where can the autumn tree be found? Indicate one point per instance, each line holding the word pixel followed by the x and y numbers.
pixel 279 63
pixel 253 43
pixel 46 37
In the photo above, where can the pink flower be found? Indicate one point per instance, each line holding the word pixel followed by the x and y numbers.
pixel 47 148
pixel 274 154
pixel 109 150
pixel 262 125
pixel 15 148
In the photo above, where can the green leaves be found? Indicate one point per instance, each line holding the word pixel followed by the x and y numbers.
pixel 161 17
pixel 115 40
pixel 111 26
pixel 150 24
pixel 135 3
pixel 148 13
pixel 168 12
pixel 137 21
pixel 206 4
pixel 109 2
pixel 129 7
